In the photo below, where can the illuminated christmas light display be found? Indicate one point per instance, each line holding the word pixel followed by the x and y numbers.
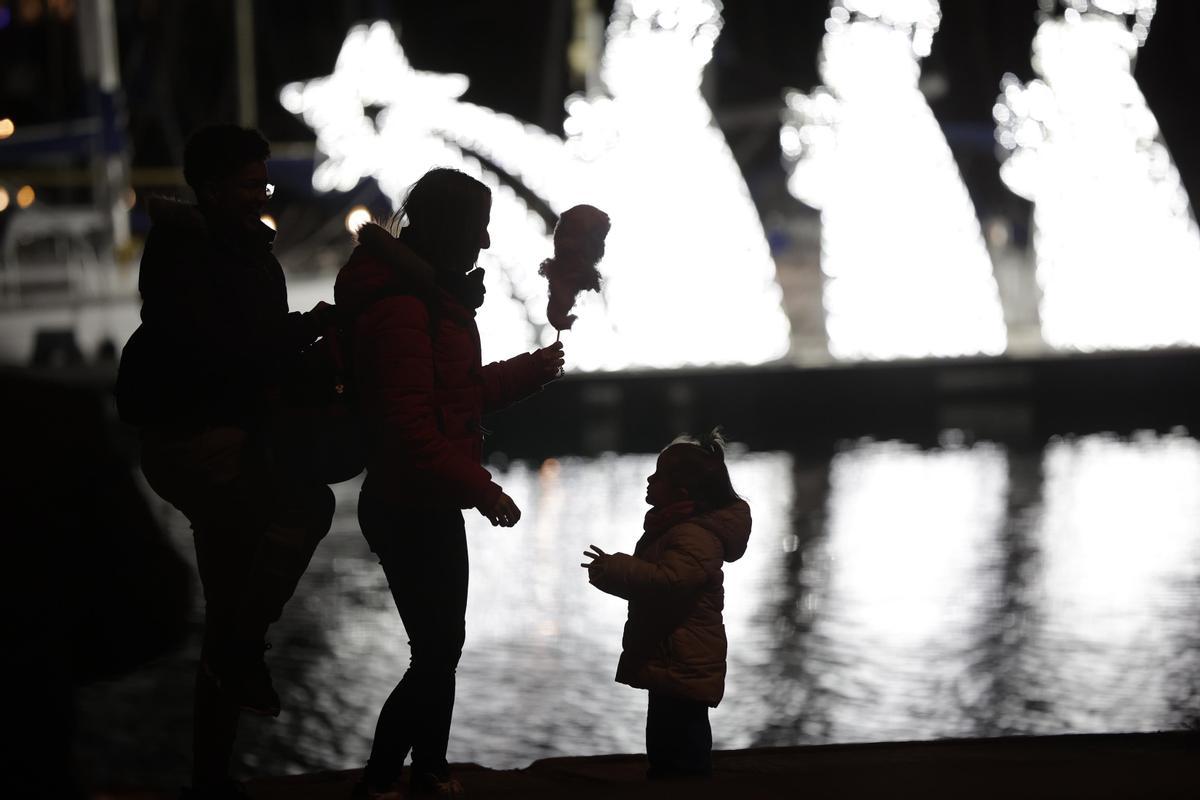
pixel 688 275
pixel 1118 252
pixel 906 270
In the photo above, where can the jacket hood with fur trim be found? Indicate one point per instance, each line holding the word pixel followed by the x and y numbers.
pixel 380 265
pixel 731 525
pixel 167 212
pixel 185 221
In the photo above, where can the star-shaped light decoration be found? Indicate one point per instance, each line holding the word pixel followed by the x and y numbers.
pixel 692 281
pixel 394 144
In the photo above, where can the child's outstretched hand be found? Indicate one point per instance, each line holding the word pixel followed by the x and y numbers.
pixel 595 554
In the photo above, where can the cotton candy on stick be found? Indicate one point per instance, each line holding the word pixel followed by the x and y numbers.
pixel 578 247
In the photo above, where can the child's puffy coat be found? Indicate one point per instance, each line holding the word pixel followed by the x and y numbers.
pixel 674 638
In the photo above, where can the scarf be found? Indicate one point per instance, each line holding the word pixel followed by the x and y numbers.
pixel 466 288
pixel 659 520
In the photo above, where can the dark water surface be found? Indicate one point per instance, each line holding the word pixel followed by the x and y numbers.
pixel 888 593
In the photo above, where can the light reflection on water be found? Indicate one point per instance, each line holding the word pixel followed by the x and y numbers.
pixel 888 593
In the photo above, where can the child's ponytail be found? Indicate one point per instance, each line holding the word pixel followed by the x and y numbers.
pixel 701 470
pixel 714 442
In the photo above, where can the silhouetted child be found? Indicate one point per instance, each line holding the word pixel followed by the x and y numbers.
pixel 674 642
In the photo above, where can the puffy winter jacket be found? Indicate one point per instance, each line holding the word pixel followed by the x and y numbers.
pixel 674 639
pixel 422 389
pixel 216 333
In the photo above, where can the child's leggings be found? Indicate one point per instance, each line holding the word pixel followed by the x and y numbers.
pixel 678 736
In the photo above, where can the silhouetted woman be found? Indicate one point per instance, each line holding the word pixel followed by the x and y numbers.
pixel 422 391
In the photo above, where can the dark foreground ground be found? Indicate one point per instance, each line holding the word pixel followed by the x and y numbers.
pixel 1149 765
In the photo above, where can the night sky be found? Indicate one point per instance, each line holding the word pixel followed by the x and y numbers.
pixel 178 68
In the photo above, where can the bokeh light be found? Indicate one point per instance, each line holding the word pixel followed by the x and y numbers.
pixel 356 218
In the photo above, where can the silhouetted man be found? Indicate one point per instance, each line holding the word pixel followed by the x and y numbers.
pixel 201 378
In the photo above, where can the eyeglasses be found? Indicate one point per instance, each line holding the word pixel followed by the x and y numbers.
pixel 257 186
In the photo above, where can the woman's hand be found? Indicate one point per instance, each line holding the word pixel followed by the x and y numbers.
pixel 551 360
pixel 323 313
pixel 318 320
pixel 595 554
pixel 503 513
